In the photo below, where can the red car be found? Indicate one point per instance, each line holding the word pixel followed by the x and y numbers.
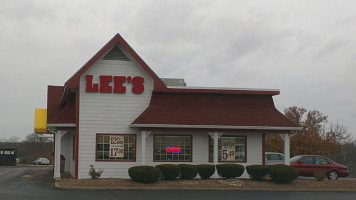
pixel 307 165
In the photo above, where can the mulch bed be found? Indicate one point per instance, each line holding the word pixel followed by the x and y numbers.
pixel 209 184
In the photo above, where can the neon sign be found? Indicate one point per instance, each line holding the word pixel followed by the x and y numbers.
pixel 173 149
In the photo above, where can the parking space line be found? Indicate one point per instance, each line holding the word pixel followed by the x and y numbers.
pixel 6 172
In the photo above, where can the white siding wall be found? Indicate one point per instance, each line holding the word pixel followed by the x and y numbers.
pixel 109 113
pixel 113 113
pixel 67 151
pixel 201 148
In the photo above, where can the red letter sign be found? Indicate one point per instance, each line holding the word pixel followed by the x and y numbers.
pixel 90 86
pixel 104 84
pixel 118 84
pixel 137 85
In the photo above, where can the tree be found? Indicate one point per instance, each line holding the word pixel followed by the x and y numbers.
pixel 35 138
pixel 314 138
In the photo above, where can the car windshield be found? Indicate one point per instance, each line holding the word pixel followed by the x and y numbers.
pixel 295 158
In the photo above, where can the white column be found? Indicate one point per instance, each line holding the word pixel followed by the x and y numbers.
pixel 144 135
pixel 286 138
pixel 57 154
pixel 215 136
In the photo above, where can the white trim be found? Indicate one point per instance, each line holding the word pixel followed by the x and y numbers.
pixel 61 125
pixel 215 127
pixel 223 88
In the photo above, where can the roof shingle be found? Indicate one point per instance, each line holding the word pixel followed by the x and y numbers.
pixel 213 109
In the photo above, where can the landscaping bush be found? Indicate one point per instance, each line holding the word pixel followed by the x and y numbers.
pixel 95 174
pixel 144 174
pixel 188 171
pixel 319 175
pixel 169 172
pixel 230 170
pixel 206 171
pixel 256 172
pixel 282 173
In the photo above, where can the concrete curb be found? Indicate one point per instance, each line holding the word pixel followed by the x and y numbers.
pixel 56 185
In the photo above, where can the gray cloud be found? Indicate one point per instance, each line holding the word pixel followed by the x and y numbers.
pixel 305 48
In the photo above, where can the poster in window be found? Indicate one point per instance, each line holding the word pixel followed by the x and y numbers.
pixel 116 146
pixel 227 149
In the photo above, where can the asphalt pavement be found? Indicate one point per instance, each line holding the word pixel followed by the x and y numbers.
pixel 36 183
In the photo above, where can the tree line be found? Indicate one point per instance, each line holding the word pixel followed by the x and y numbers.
pixel 29 149
pixel 317 137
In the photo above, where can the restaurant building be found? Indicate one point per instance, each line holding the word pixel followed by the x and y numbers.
pixel 115 113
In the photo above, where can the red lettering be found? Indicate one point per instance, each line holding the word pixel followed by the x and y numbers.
pixel 90 86
pixel 118 84
pixel 172 149
pixel 104 84
pixel 138 86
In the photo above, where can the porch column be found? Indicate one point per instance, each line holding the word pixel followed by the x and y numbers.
pixel 144 135
pixel 286 139
pixel 57 154
pixel 215 136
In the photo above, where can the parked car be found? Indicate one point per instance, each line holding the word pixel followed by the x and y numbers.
pixel 41 161
pixel 307 165
pixel 274 157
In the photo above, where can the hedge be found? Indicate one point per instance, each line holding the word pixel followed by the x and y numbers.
pixel 188 171
pixel 169 172
pixel 144 174
pixel 230 170
pixel 257 172
pixel 282 173
pixel 205 171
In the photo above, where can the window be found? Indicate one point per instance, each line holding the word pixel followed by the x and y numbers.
pixel 115 147
pixel 172 148
pixel 308 160
pixel 230 149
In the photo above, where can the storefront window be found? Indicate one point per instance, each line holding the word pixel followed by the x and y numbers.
pixel 230 149
pixel 172 148
pixel 115 147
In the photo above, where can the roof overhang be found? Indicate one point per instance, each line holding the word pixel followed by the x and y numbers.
pixel 215 127
pixel 61 125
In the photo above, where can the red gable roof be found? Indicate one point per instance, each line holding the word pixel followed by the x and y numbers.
pixel 177 106
pixel 73 82
pixel 56 112
pixel 207 109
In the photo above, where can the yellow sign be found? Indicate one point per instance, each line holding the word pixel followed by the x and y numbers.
pixel 40 120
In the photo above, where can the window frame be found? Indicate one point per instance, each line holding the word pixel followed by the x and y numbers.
pixel 219 161
pixel 114 134
pixel 177 135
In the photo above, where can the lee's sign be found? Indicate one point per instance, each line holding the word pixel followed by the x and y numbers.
pixel 115 84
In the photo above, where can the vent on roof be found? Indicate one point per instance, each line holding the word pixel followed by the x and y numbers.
pixel 116 54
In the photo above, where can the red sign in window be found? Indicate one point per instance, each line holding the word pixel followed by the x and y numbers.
pixel 173 149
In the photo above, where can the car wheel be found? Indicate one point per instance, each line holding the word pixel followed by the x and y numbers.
pixel 333 175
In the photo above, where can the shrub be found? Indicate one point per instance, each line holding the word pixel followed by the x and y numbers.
pixel 206 171
pixel 319 175
pixel 188 171
pixel 257 172
pixel 144 174
pixel 282 173
pixel 93 173
pixel 169 172
pixel 230 170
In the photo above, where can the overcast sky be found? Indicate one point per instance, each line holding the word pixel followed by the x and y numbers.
pixel 307 49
